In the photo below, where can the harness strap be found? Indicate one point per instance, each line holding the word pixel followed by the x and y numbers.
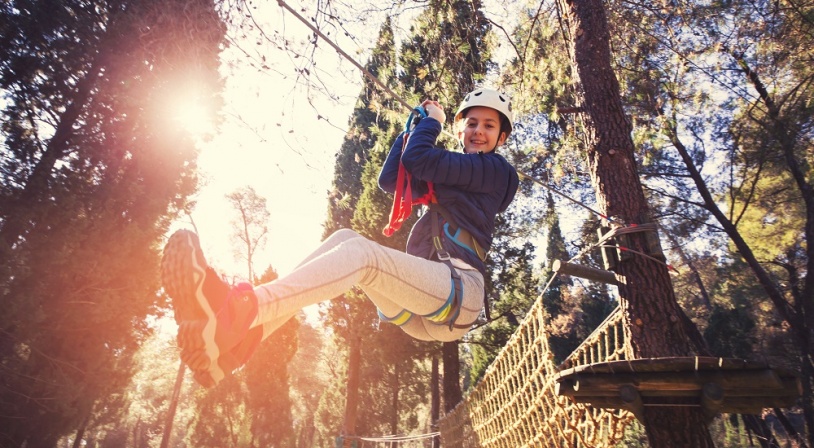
pixel 437 212
pixel 403 201
pixel 457 284
pixel 399 319
pixel 447 314
pixel 460 235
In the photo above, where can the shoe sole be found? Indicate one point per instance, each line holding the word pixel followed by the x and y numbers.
pixel 183 270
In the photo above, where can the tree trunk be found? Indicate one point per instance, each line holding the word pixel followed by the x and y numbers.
pixel 352 393
pixel 435 405
pixel 394 412
pixel 452 374
pixel 653 320
pixel 176 392
pixel 80 432
pixel 756 425
pixel 796 437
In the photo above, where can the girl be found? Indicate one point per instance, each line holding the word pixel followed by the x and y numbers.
pixel 434 291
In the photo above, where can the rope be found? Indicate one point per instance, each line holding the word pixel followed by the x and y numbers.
pixel 575 201
pixel 395 438
pixel 516 403
pixel 342 52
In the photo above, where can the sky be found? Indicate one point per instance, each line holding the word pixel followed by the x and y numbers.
pixel 282 127
pixel 279 135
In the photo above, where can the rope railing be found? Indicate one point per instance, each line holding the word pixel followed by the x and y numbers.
pixel 516 405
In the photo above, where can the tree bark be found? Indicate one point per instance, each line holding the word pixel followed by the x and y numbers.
pixel 176 392
pixel 80 432
pixel 435 405
pixel 352 393
pixel 653 319
pixel 394 411
pixel 452 374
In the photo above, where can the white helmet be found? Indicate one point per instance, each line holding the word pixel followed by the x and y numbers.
pixel 488 98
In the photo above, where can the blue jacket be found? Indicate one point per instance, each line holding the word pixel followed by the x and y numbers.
pixel 473 188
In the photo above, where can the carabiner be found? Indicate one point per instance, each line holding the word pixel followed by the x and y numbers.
pixel 414 118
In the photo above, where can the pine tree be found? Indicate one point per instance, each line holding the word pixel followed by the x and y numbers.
pixel 620 195
pixel 92 174
pixel 364 133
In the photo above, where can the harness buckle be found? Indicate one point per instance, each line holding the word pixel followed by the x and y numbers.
pixel 443 255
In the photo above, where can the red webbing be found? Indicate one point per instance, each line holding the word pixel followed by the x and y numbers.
pixel 403 197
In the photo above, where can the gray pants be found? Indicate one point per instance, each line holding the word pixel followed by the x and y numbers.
pixel 393 280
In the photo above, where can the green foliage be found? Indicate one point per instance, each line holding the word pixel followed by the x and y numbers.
pixel 448 52
pixel 308 372
pixel 267 382
pixel 363 135
pixel 574 309
pixel 221 418
pixel 148 396
pixel 93 171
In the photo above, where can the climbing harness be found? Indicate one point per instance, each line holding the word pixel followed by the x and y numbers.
pixel 455 300
pixel 447 314
pixel 403 203
pixel 454 232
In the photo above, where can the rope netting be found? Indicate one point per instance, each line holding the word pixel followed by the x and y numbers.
pixel 516 404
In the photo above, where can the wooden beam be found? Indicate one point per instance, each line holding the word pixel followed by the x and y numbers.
pixel 587 272
pixel 605 384
pixel 712 398
pixel 632 401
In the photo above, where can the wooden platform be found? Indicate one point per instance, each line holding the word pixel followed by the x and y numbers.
pixel 715 384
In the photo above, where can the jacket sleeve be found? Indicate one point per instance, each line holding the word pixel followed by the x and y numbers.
pixel 470 172
pixel 390 168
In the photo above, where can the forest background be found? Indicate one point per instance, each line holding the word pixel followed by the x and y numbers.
pixel 99 164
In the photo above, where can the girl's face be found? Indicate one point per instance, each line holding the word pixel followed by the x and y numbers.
pixel 480 130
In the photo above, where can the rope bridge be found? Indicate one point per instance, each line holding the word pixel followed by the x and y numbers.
pixel 516 403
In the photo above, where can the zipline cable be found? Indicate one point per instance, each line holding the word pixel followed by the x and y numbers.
pixel 553 190
pixel 345 55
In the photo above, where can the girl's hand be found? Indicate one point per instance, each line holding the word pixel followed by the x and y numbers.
pixel 434 110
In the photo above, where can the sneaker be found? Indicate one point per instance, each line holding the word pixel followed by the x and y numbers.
pixel 232 360
pixel 212 317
